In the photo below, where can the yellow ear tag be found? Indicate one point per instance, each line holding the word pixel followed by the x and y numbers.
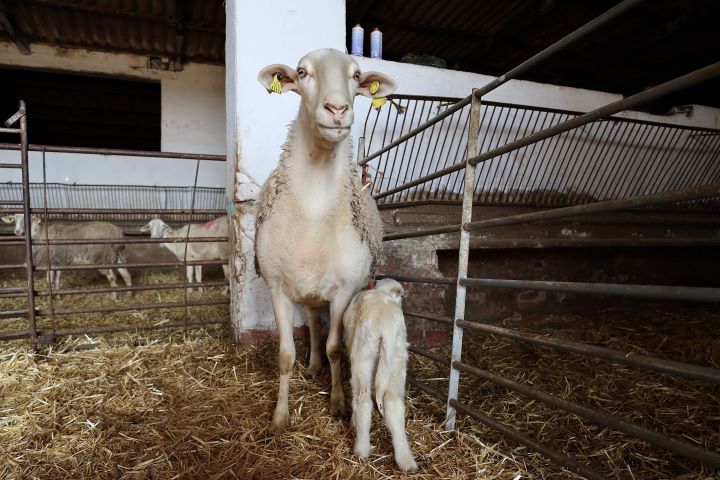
pixel 374 87
pixel 378 102
pixel 275 85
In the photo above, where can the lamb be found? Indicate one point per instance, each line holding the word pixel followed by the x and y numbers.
pixel 217 227
pixel 318 233
pixel 61 255
pixel 376 342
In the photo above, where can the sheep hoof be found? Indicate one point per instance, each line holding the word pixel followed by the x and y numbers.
pixel 280 421
pixel 362 449
pixel 314 369
pixel 406 462
pixel 337 405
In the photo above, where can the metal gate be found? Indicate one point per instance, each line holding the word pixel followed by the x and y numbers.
pixel 507 155
pixel 118 203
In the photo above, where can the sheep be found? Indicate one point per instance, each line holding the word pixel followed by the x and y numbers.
pixel 62 255
pixel 318 232
pixel 217 227
pixel 376 342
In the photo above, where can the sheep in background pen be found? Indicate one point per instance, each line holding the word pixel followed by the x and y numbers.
pixel 64 255
pixel 376 342
pixel 217 227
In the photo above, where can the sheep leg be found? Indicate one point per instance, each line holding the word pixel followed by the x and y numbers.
pixel 125 274
pixel 198 276
pixel 395 420
pixel 312 315
pixel 361 370
pixel 57 279
pixel 226 272
pixel 283 308
pixel 189 276
pixel 110 275
pixel 338 305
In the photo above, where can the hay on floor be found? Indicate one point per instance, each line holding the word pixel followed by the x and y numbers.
pixel 193 405
pixel 684 409
pixel 93 279
pixel 196 406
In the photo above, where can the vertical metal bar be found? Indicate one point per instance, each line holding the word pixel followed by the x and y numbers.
pixel 51 302
pixel 577 157
pixel 407 158
pixel 449 191
pixel 590 192
pixel 501 163
pixel 479 173
pixel 484 192
pixel 449 133
pixel 511 196
pixel 187 241
pixel 463 257
pixel 535 159
pixel 431 155
pixel 413 153
pixel 28 230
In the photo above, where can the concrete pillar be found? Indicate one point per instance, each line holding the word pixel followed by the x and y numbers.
pixel 258 34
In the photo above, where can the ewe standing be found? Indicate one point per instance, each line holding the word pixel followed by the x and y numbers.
pixel 217 227
pixel 318 233
pixel 377 344
pixel 64 255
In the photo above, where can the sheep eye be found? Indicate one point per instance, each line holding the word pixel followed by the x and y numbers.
pixel 301 72
pixel 357 76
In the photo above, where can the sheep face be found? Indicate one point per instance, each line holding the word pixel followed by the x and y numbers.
pixel 19 220
pixel 156 227
pixel 328 81
pixel 392 288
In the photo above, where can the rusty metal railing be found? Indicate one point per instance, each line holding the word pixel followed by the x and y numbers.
pixel 36 201
pixel 422 162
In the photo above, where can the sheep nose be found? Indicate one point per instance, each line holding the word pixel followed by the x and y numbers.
pixel 337 111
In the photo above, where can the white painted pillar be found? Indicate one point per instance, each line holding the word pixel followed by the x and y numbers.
pixel 258 34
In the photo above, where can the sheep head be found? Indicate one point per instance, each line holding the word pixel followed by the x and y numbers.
pixel 391 287
pixel 19 220
pixel 327 82
pixel 156 227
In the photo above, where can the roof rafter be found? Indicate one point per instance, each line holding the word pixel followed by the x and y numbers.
pixel 12 29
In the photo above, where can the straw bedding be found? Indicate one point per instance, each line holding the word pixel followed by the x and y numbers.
pixel 196 406
pixel 93 279
pixel 685 409
pixel 193 405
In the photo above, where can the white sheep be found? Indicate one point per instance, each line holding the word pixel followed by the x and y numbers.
pixel 63 255
pixel 376 342
pixel 318 233
pixel 217 227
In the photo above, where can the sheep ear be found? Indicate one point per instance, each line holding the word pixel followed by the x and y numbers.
pixel 145 228
pixel 385 85
pixel 287 77
pixel 8 219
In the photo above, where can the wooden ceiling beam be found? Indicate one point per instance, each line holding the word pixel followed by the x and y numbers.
pixel 12 29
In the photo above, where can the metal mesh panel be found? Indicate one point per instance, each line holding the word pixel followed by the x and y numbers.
pixel 604 160
pixel 71 196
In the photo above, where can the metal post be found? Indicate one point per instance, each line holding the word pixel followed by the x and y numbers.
pixel 463 257
pixel 28 230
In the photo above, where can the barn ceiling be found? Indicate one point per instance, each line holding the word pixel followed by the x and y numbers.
pixel 182 30
pixel 656 41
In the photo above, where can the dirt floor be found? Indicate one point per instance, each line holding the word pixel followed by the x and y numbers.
pixel 176 404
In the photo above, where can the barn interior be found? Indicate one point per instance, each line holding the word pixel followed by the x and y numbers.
pixel 153 385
